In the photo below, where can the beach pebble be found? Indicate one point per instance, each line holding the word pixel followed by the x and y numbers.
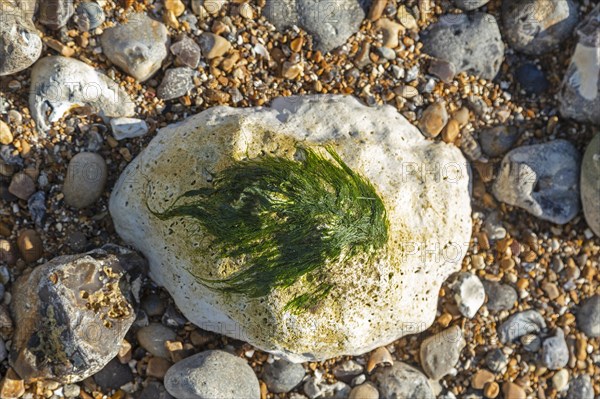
pixel 315 388
pixel 347 370
pixel 402 381
pixel 496 141
pixel 555 353
pixel 440 352
pixel 520 324
pixel 114 375
pixel 21 186
pixel 8 253
pixel 468 293
pixel 153 337
pixel 88 298
pixel 213 46
pixel 88 16
pixel 468 5
pixel 138 46
pixel 590 184
pixel 341 22
pixel 579 96
pixel 496 360
pixel 282 376
pixel 176 83
pixel 513 391
pixel 581 387
pixel 85 179
pixel 30 245
pixel 442 69
pixel 542 179
pixel 433 119
pixel 364 391
pixel 11 386
pixel 532 79
pixel 20 43
pixel 55 13
pixel 128 128
pixel 212 374
pixel 155 390
pixel 560 379
pixel 537 26
pixel 6 136
pixel 500 296
pixel 472 43
pixel 71 390
pixel 153 305
pixel 588 317
pixel 186 52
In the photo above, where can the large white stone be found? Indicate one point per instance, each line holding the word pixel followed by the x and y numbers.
pixel 424 185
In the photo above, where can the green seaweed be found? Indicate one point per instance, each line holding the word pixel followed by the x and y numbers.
pixel 287 219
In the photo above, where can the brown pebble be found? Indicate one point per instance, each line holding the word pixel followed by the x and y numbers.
pixel 213 46
pixel 551 290
pixel 124 354
pixel 30 245
pixel 379 357
pixel 434 119
pixel 406 18
pixel 296 44
pixel 5 230
pixel 376 10
pixel 175 6
pixel 581 348
pixel 491 390
pixel 8 252
pixel 6 136
pixel 12 386
pixel 450 132
pixel 21 186
pixel 290 70
pixel 364 391
pixel 390 31
pixel 157 367
pixel 513 391
pixel 461 116
pixel 481 378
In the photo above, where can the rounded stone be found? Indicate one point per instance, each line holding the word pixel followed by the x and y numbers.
pixel 85 180
pixel 495 141
pixel 590 184
pixel 555 353
pixel 153 338
pixel 537 26
pixel 30 245
pixel 588 317
pixel 402 381
pixel 282 376
pixel 468 5
pixel 379 143
pixel 500 296
pixel 364 391
pixel 20 44
pixel 212 374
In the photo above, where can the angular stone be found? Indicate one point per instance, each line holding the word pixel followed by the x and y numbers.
pixel 128 128
pixel 543 179
pixel 579 97
pixel 22 186
pixel 440 353
pixel 138 46
pixel 469 5
pixel 331 24
pixel 520 324
pixel 213 46
pixel 378 143
pixel 471 42
pixel 59 84
pixel 555 353
pixel 20 43
pixel 186 52
pixel 177 82
pixel 402 381
pixel 71 315
pixel 537 26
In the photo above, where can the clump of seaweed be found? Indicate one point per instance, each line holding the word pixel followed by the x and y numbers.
pixel 288 219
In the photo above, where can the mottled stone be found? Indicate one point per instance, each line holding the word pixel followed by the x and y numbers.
pixel 588 317
pixel 153 338
pixel 543 179
pixel 138 46
pixel 402 381
pixel 495 141
pixel 186 52
pixel 471 42
pixel 537 26
pixel 282 376
pixel 177 82
pixel 468 5
pixel 500 296
pixel 520 324
pixel 331 24
pixel 581 388
pixel 72 313
pixel 55 13
pixel 555 353
pixel 590 184
pixel 20 44
pixel 440 352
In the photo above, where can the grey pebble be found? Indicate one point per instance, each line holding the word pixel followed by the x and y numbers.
pixel 153 337
pixel 20 45
pixel 128 128
pixel 471 42
pixel 537 26
pixel 153 305
pixel 316 388
pixel 496 360
pixel 555 353
pixel 581 387
pixel 590 184
pixel 402 381
pixel 520 324
pixel 282 376
pixel 500 296
pixel 468 5
pixel 114 375
pixel 588 317
pixel 495 141
pixel 440 352
pixel 155 390
pixel 176 83
pixel 85 180
pixel 55 13
pixel 212 374
pixel 89 15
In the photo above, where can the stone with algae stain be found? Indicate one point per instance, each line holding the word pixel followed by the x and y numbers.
pixel 72 314
pixel 374 299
